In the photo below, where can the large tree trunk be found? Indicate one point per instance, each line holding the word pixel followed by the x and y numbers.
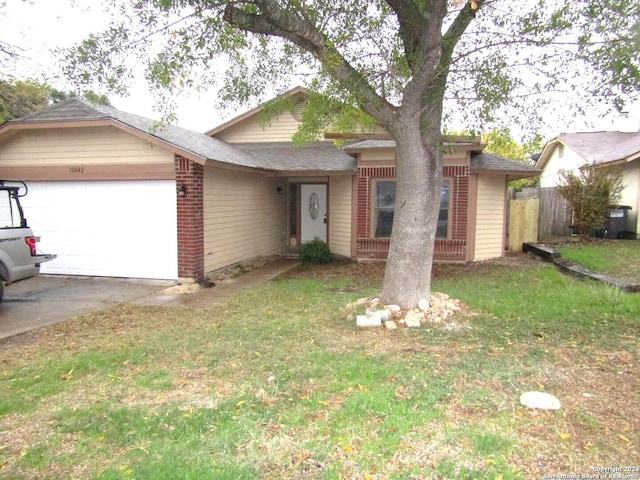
pixel 415 125
pixel 407 276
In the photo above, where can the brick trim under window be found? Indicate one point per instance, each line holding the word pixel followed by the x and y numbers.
pixel 454 247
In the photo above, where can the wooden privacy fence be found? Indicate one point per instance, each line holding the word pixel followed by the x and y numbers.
pixel 534 214
pixel 555 215
pixel 523 222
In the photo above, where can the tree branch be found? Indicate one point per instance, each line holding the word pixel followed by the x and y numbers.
pixel 449 40
pixel 410 27
pixel 453 35
pixel 275 21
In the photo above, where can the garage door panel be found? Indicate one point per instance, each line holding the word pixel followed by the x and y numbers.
pixel 116 228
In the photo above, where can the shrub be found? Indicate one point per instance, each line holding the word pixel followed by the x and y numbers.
pixel 591 193
pixel 315 252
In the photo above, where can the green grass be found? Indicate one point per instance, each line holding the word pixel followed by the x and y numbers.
pixel 618 258
pixel 275 383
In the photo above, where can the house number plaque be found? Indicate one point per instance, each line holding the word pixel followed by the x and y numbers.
pixel 313 205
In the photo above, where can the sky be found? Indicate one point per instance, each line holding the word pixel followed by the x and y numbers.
pixel 38 26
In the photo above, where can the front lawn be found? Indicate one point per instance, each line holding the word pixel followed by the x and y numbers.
pixel 276 384
pixel 617 258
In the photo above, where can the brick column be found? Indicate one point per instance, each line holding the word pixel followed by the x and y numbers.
pixel 190 203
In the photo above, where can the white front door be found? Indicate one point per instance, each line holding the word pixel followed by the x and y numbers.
pixel 313 213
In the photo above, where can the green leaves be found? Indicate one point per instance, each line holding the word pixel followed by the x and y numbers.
pixel 505 63
pixel 591 192
pixel 20 98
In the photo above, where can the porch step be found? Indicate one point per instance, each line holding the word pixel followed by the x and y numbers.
pixel 290 252
pixel 289 255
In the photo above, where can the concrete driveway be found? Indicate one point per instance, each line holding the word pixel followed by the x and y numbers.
pixel 47 299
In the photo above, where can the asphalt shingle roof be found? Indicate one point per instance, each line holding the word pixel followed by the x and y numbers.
pixel 481 161
pixel 272 156
pixel 285 156
pixel 603 147
pixel 486 161
pixel 197 143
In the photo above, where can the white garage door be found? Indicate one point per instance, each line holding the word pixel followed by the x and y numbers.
pixel 106 228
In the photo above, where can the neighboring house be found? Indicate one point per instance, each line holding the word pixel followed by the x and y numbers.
pixel 571 151
pixel 115 194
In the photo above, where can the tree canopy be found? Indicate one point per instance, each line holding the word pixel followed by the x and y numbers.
pixel 499 61
pixel 501 142
pixel 412 65
pixel 22 97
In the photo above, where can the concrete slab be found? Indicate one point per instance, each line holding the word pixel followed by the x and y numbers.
pixel 224 289
pixel 47 299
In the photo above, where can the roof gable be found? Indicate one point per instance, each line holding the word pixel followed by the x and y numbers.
pixel 596 147
pixel 323 156
pixel 70 109
pixel 603 147
pixel 193 145
pixel 254 113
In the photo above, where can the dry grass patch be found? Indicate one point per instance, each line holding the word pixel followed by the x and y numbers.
pixel 276 384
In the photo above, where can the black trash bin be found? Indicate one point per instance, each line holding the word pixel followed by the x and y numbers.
pixel 617 223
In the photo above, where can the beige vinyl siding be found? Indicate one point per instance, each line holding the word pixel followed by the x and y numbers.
pixel 386 155
pixel 340 215
pixel 74 146
pixel 244 217
pixel 562 158
pixel 389 157
pixel 490 219
pixel 251 129
pixel 460 158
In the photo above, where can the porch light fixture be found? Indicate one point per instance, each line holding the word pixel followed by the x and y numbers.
pixel 279 190
pixel 182 191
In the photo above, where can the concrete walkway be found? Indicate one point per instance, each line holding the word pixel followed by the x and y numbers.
pixel 226 288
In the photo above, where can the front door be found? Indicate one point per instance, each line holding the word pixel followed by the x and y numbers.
pixel 313 215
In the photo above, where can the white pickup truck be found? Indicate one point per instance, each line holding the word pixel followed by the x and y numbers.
pixel 19 257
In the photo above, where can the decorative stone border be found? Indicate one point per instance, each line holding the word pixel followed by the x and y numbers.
pixel 552 255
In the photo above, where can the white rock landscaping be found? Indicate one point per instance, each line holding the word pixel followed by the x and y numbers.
pixel 436 310
pixel 540 400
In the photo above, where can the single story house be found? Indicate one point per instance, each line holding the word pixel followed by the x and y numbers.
pixel 571 151
pixel 115 194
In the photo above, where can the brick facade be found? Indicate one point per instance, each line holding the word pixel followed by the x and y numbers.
pixel 190 204
pixel 453 248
